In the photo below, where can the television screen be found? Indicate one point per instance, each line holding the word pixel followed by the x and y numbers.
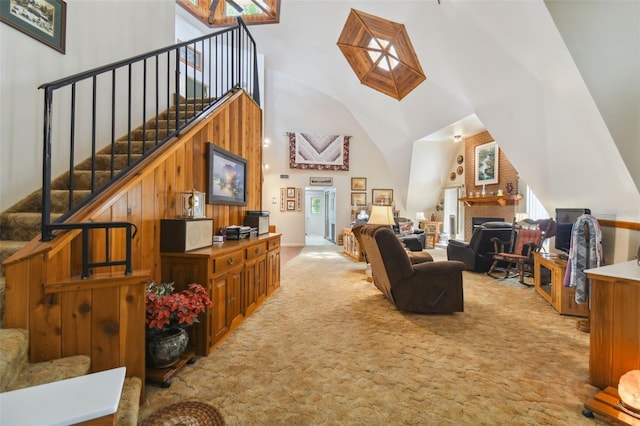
pixel 227 180
pixel 565 218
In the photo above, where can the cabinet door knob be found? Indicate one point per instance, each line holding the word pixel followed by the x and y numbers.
pixel 257 250
pixel 230 261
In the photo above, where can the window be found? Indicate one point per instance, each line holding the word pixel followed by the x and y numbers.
pixel 221 13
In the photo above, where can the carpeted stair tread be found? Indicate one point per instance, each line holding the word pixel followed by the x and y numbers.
pixel 22 226
pixel 103 161
pixel 82 179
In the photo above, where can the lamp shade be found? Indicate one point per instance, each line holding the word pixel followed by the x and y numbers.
pixel 420 216
pixel 381 215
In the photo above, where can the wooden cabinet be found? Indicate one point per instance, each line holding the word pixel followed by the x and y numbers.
pixel 350 245
pixel 273 265
pixel 549 272
pixel 432 232
pixel 238 274
pixel 614 347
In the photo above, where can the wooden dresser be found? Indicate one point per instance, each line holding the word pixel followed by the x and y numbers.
pixel 239 276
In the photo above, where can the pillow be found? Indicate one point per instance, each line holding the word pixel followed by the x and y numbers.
pixel 406 228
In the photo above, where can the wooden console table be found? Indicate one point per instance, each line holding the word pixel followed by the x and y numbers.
pixel 615 322
pixel 350 245
pixel 549 270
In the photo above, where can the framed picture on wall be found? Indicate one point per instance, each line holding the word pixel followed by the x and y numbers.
pixel 291 192
pixel 486 164
pixel 291 205
pixel 358 184
pixel 382 197
pixel 358 199
pixel 43 20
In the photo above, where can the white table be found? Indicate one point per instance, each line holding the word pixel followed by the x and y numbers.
pixel 64 402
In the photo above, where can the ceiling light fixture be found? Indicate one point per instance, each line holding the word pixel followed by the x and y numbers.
pixel 457 138
pixel 381 54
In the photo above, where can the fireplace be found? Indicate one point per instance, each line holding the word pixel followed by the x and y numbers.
pixel 477 221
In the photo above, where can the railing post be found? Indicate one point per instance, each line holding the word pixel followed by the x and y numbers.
pixel 46 167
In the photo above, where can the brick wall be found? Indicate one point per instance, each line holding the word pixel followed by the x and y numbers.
pixel 506 173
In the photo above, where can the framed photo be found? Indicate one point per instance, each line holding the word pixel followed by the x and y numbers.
pixel 359 199
pixel 43 20
pixel 291 205
pixel 358 184
pixel 299 199
pixel 227 177
pixel 291 192
pixel 382 197
pixel 282 199
pixel 486 164
pixel 191 57
pixel 321 181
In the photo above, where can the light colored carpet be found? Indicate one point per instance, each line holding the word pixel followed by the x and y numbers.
pixel 328 348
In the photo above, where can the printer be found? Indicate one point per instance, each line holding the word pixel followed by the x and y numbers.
pixel 257 219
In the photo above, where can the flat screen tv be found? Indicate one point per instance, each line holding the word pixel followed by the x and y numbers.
pixel 565 218
pixel 227 180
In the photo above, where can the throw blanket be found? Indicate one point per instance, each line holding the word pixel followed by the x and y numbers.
pixel 585 252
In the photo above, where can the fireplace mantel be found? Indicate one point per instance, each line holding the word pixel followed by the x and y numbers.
pixel 501 200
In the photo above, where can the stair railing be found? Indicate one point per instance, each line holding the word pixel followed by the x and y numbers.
pixel 190 78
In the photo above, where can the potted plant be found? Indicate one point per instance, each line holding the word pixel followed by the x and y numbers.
pixel 167 315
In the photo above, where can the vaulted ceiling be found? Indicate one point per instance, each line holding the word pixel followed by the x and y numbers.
pixel 503 66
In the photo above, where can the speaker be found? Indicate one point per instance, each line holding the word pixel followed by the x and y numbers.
pixel 180 235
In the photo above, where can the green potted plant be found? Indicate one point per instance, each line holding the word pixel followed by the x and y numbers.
pixel 167 315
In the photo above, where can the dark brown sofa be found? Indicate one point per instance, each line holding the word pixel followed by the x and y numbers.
pixel 428 287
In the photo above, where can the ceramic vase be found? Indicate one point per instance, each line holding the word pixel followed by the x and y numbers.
pixel 165 347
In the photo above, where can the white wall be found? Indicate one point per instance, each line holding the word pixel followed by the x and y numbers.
pixel 98 32
pixel 293 107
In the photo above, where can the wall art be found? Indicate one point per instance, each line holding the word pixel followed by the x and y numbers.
pixel 486 164
pixel 43 20
pixel 319 152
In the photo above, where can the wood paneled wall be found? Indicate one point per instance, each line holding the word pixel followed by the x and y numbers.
pixel 103 316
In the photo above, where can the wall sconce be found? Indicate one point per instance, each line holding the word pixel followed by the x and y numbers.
pixel 192 204
pixel 457 138
pixel 265 166
pixel 266 142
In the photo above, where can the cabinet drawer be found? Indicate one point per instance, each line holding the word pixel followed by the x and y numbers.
pixel 256 250
pixel 274 243
pixel 224 263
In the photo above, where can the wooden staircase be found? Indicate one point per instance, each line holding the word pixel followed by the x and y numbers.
pixel 21 223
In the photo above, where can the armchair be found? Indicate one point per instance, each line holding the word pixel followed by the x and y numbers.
pixel 428 287
pixel 477 254
pixel 526 238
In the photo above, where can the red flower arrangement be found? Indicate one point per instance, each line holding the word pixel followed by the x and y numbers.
pixel 166 308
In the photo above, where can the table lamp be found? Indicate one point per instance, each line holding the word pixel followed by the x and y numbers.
pixel 381 215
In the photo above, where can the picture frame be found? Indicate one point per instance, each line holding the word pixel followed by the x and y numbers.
pixel 299 199
pixel 486 163
pixel 359 199
pixel 321 181
pixel 358 184
pixel 291 205
pixel 291 192
pixel 382 197
pixel 191 56
pixel 42 20
pixel 227 177
pixel 282 199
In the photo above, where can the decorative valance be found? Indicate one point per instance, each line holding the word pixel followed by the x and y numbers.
pixel 319 152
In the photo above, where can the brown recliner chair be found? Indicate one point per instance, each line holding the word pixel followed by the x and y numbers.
pixel 428 287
